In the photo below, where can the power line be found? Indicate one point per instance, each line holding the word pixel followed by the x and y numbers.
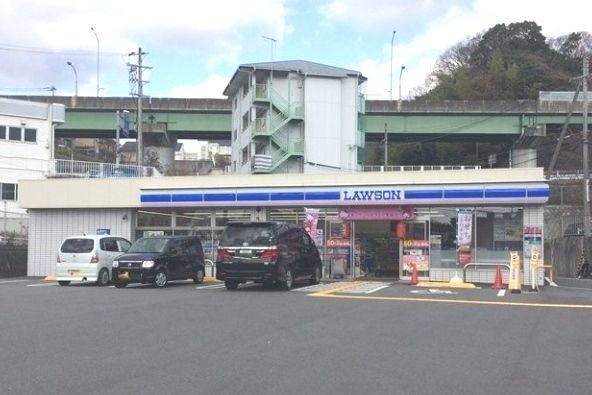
pixel 52 51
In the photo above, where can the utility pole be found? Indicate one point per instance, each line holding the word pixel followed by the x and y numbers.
pixel 586 149
pixel 136 77
pixel 385 147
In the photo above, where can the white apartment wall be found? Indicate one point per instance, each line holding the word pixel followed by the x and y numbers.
pixel 349 124
pixel 322 100
pixel 20 160
pixel 47 229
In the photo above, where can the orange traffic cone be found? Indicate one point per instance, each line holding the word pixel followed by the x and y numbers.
pixel 497 282
pixel 413 274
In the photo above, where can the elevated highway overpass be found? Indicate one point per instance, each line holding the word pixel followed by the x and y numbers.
pixel 210 119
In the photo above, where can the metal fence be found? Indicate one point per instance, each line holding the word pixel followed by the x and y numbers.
pixel 74 168
pixel 418 168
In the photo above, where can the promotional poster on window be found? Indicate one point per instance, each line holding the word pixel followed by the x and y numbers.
pixel 464 237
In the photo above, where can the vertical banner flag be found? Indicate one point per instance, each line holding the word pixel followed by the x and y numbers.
pixel 311 218
pixel 464 237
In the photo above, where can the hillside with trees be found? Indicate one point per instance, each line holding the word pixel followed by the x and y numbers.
pixel 506 62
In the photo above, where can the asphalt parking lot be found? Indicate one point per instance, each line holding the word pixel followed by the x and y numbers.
pixel 345 337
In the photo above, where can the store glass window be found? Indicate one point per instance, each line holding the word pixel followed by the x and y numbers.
pixel 474 234
pixel 193 218
pixel 154 217
pixel 222 217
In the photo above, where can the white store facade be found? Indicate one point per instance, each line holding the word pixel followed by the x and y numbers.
pixel 365 224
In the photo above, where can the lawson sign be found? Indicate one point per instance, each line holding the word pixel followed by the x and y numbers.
pixel 525 193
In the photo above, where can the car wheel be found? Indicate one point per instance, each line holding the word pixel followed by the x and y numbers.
pixel 199 276
pixel 160 279
pixel 316 276
pixel 231 285
pixel 120 285
pixel 64 283
pixel 103 277
pixel 286 285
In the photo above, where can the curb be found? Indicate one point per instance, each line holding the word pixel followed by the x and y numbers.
pixel 51 277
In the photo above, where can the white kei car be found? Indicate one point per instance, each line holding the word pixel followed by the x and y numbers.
pixel 88 258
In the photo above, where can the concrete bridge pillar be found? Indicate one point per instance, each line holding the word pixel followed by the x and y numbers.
pixel 523 157
pixel 159 151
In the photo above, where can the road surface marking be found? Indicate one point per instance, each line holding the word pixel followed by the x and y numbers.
pixel 328 294
pixel 213 286
pixel 12 281
pixel 501 292
pixel 42 285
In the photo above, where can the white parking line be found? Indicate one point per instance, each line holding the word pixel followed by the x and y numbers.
pixel 13 281
pixel 501 292
pixel 376 289
pixel 42 285
pixel 213 286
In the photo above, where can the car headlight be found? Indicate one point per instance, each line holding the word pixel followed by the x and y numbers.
pixel 115 264
pixel 147 264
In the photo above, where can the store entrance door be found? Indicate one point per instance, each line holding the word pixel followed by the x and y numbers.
pixel 376 249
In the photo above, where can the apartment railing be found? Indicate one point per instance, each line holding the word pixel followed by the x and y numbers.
pixel 419 168
pixel 74 168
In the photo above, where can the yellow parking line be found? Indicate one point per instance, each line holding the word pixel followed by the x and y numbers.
pixel 330 294
pixel 338 289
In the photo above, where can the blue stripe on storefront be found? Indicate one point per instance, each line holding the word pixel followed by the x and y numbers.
pixel 505 193
pixel 252 197
pixel 188 197
pixel 463 194
pixel 155 198
pixel 287 196
pixel 322 195
pixel 430 194
pixel 219 197
pixel 538 192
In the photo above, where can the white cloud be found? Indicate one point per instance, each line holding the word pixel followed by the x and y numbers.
pixel 211 88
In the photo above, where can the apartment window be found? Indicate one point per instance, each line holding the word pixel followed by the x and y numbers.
pixel 245 155
pixel 2 132
pixel 31 135
pixel 8 191
pixel 14 133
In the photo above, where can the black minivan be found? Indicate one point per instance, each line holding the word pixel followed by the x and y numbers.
pixel 159 259
pixel 267 252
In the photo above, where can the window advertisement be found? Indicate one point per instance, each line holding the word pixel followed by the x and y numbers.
pixel 416 253
pixel 464 237
pixel 338 250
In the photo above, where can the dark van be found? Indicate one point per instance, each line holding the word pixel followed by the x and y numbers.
pixel 267 252
pixel 158 260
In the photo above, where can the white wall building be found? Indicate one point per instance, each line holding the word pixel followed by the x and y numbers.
pixel 296 117
pixel 26 148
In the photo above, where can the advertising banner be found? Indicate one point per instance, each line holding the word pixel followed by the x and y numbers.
pixel 464 237
pixel 311 219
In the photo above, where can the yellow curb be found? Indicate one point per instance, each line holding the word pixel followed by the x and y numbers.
pixel 338 289
pixel 51 277
pixel 433 284
pixel 211 280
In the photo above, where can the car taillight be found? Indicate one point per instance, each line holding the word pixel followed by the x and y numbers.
pixel 270 253
pixel 94 258
pixel 224 253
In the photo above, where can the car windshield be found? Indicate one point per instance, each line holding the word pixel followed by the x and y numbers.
pixel 247 235
pixel 78 246
pixel 149 244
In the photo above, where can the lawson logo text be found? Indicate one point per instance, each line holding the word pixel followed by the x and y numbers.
pixel 372 195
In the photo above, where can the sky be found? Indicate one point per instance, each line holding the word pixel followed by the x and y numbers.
pixel 194 47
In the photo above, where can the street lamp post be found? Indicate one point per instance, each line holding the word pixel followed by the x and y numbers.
pixel 75 78
pixel 400 76
pixel 392 42
pixel 98 58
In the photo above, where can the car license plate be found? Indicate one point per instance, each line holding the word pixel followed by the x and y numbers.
pixel 74 273
pixel 246 252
